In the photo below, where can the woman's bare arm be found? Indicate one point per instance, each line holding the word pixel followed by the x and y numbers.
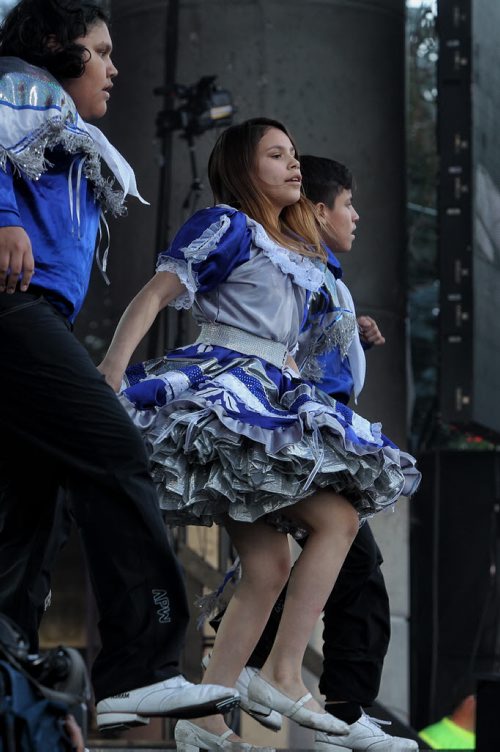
pixel 136 321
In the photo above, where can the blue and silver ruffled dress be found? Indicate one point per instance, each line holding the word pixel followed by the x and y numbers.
pixel 230 428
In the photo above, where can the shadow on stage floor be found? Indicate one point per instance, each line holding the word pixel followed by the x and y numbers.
pixel 150 748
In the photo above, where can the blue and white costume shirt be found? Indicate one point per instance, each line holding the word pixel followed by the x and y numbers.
pixel 51 182
pixel 330 351
pixel 235 274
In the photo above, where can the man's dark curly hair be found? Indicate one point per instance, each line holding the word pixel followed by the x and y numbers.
pixel 43 33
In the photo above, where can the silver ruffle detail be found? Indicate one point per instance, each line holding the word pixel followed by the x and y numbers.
pixel 208 462
pixel 32 161
pixel 339 335
pixel 313 370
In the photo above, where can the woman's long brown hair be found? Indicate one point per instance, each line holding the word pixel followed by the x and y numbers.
pixel 230 170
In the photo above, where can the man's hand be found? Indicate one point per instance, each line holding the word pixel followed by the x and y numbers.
pixel 16 258
pixel 369 333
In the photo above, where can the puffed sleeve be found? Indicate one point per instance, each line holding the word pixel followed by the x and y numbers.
pixel 206 250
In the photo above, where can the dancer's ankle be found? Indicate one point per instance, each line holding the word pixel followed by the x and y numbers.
pixel 280 676
pixel 350 712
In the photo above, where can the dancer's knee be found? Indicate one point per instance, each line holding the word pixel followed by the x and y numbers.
pixel 269 572
pixel 328 513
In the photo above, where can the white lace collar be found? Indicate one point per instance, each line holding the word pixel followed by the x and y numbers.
pixel 305 272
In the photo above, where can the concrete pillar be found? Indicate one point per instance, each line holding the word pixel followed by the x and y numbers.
pixel 138 38
pixel 333 71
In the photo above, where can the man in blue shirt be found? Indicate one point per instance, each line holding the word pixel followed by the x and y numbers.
pixel 62 425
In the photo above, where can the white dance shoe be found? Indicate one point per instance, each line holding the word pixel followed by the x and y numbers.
pixel 269 718
pixel 365 735
pixel 265 716
pixel 190 738
pixel 175 697
pixel 260 691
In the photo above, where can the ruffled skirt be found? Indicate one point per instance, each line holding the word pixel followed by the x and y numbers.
pixel 233 435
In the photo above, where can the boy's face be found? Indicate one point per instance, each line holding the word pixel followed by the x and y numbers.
pixel 338 222
pixel 91 91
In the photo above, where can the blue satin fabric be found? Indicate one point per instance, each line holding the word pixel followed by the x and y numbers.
pixel 63 249
pixel 232 250
pixel 148 393
pixel 337 375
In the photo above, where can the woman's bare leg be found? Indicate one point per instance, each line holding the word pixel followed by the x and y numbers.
pixel 332 523
pixel 265 568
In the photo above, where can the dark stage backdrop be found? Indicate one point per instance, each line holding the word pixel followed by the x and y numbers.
pixel 325 69
pixel 469 211
pixel 455 582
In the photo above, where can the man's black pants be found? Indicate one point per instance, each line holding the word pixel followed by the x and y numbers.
pixel 62 426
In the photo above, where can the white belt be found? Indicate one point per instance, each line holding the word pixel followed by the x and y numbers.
pixel 243 342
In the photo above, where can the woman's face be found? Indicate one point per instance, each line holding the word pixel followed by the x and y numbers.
pixel 277 170
pixel 91 91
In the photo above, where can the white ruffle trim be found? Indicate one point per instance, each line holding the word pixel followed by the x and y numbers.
pixel 208 241
pixel 180 268
pixel 195 252
pixel 302 269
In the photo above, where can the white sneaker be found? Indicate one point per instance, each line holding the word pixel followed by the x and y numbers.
pixel 365 735
pixel 173 697
pixel 271 719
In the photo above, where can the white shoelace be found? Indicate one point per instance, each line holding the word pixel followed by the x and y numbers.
pixel 376 721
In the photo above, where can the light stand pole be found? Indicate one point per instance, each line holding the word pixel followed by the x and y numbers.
pixel 158 334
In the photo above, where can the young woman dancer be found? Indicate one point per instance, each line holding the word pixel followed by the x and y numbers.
pixel 236 436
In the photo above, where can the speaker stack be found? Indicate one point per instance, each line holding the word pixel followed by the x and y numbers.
pixel 455 591
pixel 468 213
pixel 454 141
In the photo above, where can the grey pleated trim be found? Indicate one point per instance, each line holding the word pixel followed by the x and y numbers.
pixel 207 465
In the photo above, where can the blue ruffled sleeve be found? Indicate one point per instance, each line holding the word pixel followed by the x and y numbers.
pixel 206 250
